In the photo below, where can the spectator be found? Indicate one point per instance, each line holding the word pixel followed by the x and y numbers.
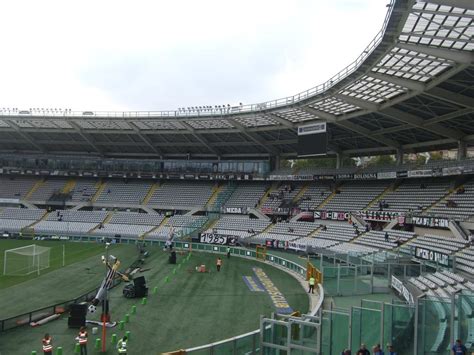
pixel 377 350
pixel 363 350
pixel 458 348
pixel 346 352
pixel 386 236
pixel 391 350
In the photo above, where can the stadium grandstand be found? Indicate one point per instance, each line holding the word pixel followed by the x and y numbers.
pixel 403 230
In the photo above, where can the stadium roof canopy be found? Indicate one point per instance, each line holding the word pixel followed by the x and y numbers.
pixel 412 89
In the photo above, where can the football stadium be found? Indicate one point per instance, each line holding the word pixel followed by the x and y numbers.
pixel 338 220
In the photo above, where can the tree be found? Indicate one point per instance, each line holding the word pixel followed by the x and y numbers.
pixel 328 162
pixel 381 160
pixel 420 159
pixel 436 155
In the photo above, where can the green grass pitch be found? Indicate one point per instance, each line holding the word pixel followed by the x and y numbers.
pixel 191 309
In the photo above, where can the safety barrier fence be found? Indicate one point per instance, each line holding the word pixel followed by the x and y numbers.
pixel 40 313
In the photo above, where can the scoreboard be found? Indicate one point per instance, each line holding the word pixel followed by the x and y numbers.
pixel 312 140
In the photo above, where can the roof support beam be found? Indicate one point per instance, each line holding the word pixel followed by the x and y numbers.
pixel 325 116
pixel 26 137
pixel 426 123
pixel 449 116
pixel 199 138
pixel 253 137
pixel 448 54
pixel 439 38
pixel 280 120
pixel 463 4
pixel 358 102
pixel 351 126
pixel 452 14
pixel 417 122
pixel 450 96
pixel 406 83
pixel 367 133
pixel 79 131
pixel 146 140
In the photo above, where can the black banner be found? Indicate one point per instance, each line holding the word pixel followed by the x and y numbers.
pixel 430 221
pixel 236 210
pixel 431 255
pixel 335 216
pixel 378 215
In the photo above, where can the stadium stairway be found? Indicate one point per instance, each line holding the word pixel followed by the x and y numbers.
pixel 106 220
pixel 150 193
pixel 272 188
pixel 326 200
pixel 100 187
pixel 156 228
pixel 356 238
pixel 216 190
pixel 212 223
pixel 35 187
pixel 442 199
pixel 268 228
pixel 301 193
pixel 389 188
pixel 70 184
pixel 142 236
pixel 43 218
pixel 315 233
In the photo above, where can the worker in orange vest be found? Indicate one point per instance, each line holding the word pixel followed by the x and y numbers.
pixel 219 264
pixel 47 344
pixel 82 340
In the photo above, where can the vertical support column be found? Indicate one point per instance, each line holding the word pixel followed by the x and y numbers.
pixel 452 319
pixel 372 277
pixel 339 160
pixel 382 319
pixel 462 150
pixel 338 278
pixel 415 330
pixel 276 162
pixel 399 156
pixel 330 328
pixel 349 340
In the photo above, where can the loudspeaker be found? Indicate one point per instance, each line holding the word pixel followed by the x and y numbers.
pixel 78 310
pixel 140 286
pixel 139 281
pixel 172 258
pixel 141 291
pixel 76 322
pixel 77 315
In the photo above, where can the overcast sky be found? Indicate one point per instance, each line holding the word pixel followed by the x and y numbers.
pixel 161 55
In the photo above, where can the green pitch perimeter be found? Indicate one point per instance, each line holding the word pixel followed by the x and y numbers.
pixel 190 309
